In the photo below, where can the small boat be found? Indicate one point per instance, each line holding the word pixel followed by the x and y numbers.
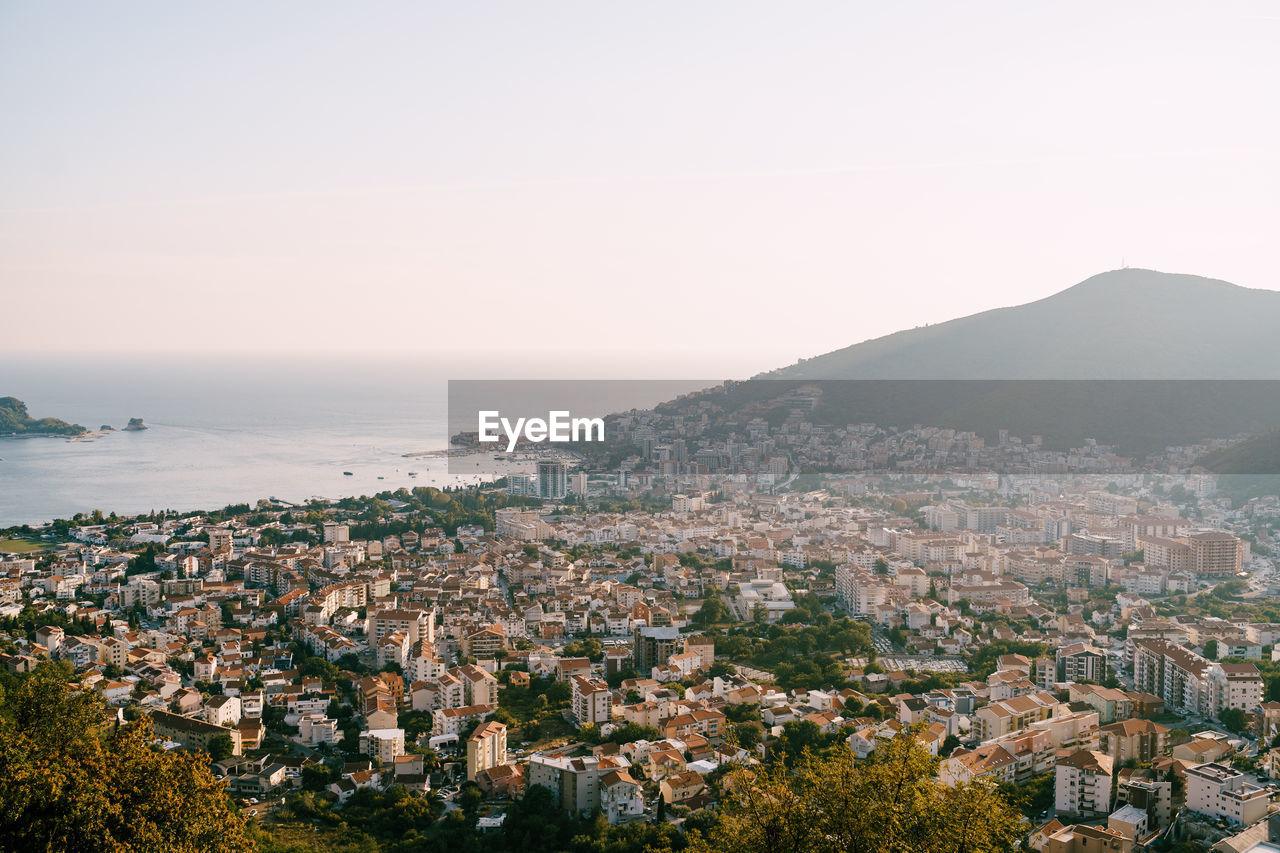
pixel 413 473
pixel 382 478
pixel 347 474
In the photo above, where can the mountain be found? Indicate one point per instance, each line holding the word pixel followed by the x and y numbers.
pixel 1123 324
pixel 14 420
pixel 1139 417
pixel 1134 358
pixel 1249 468
pixel 1259 455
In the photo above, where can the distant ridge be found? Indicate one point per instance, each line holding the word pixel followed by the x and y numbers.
pixel 1122 324
pixel 1255 456
pixel 1139 359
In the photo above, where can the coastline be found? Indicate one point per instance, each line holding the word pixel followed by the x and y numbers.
pixel 87 435
pixel 184 472
pixel 90 435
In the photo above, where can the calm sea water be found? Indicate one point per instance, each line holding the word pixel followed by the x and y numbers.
pixel 220 433
pixel 236 430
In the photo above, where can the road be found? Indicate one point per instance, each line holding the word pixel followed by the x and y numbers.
pixel 505 588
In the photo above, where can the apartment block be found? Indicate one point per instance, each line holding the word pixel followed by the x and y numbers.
pixel 1082 662
pixel 590 699
pixel 486 748
pixel 416 624
pixel 383 744
pixel 1220 791
pixel 190 732
pixel 1140 740
pixel 1082 784
pixel 1014 714
pixel 653 646
pixel 574 782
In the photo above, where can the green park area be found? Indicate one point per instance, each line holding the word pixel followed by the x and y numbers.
pixel 18 546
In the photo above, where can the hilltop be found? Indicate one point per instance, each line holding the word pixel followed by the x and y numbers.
pixel 15 420
pixel 1249 468
pixel 1122 324
pixel 1256 456
pixel 1134 358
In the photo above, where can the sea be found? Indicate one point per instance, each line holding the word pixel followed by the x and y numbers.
pixel 221 431
pixel 232 430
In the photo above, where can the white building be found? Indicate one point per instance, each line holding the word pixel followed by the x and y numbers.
pixel 574 782
pixel 687 503
pixel 1082 784
pixel 486 748
pixel 314 729
pixel 591 700
pixel 335 532
pixel 1217 790
pixel 621 798
pixel 223 710
pixel 773 595
pixel 1189 683
pixel 416 625
pixel 942 518
pixel 383 744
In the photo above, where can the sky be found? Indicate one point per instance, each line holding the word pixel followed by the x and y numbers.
pixel 708 187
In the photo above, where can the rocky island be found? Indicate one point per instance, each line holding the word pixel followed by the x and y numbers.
pixel 15 420
pixel 135 425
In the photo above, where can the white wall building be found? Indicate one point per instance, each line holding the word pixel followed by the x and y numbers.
pixel 1217 790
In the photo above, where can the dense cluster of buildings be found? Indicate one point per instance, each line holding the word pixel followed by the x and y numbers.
pixel 222 635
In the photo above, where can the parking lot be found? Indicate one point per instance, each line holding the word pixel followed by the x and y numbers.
pixel 922 664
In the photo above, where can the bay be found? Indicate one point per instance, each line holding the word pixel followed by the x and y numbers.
pixel 220 432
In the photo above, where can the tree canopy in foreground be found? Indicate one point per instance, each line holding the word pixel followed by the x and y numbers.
pixel 71 778
pixel 889 803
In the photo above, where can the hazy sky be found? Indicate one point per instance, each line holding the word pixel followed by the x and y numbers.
pixel 723 183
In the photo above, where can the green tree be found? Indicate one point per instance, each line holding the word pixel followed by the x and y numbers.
pixel 720 669
pixel 535 823
pixel 712 612
pixel 747 734
pixel 983 662
pixel 221 746
pixel 890 802
pixel 632 732
pixel 470 797
pixel 72 779
pixel 798 737
pixel 1032 797
pixel 759 613
pixel 1233 719
pixel 315 777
